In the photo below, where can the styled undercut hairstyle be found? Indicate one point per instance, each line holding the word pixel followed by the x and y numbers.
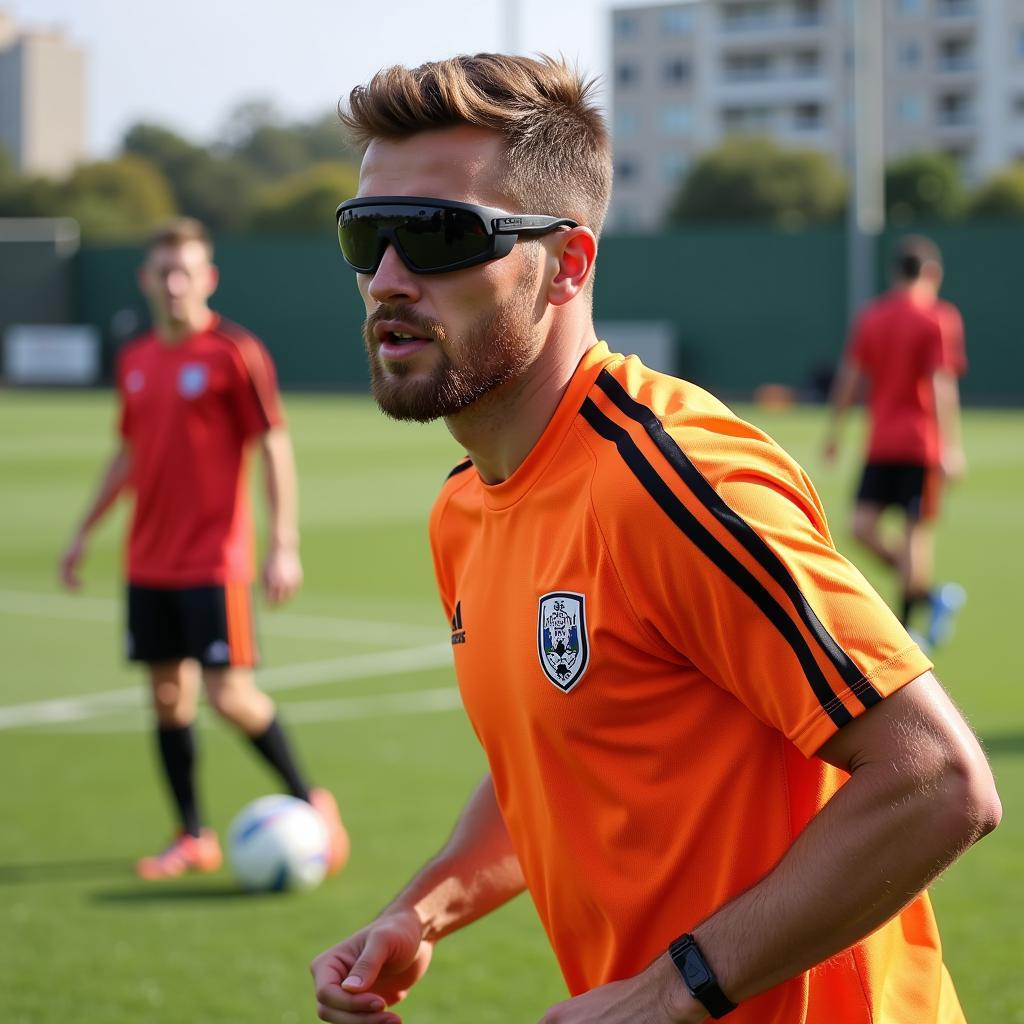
pixel 179 231
pixel 558 154
pixel 912 253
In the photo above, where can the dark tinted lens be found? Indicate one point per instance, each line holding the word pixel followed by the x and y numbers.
pixel 435 238
pixel 359 237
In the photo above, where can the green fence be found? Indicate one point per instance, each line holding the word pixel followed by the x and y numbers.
pixel 749 306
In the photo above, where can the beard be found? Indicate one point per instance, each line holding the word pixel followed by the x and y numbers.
pixel 494 350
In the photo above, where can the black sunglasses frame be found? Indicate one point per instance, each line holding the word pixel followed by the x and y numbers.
pixel 502 229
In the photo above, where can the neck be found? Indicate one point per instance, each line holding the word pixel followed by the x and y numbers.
pixel 172 331
pixel 500 430
pixel 920 292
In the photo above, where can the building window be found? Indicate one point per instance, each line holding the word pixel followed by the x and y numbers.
pixel 807 12
pixel 956 55
pixel 737 17
pixel 626 170
pixel 673 167
pixel 909 6
pixel 676 119
pixel 626 124
pixel 1017 106
pixel 749 67
pixel 627 26
pixel 676 21
pixel 1019 40
pixel 955 8
pixel 911 108
pixel 908 55
pixel 808 117
pixel 627 74
pixel 955 109
pixel 807 64
pixel 675 71
pixel 748 119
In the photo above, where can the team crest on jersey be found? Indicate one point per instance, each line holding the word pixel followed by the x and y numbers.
pixel 562 642
pixel 192 380
pixel 135 381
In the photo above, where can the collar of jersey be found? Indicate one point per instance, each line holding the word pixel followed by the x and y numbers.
pixel 508 492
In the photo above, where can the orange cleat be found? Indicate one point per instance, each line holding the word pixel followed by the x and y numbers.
pixel 186 853
pixel 323 802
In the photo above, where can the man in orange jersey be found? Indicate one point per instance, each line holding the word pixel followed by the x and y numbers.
pixel 907 350
pixel 196 392
pixel 717 762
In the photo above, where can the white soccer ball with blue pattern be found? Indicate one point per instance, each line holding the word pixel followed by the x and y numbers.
pixel 278 842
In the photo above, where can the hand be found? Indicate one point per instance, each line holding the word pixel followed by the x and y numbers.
pixel 69 562
pixel 282 574
pixel 954 464
pixel 358 978
pixel 655 996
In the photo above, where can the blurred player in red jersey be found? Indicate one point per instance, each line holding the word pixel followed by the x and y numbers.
pixel 196 392
pixel 907 351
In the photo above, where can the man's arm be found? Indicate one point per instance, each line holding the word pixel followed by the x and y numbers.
pixel 920 793
pixel 282 569
pixel 113 480
pixel 476 872
pixel 846 389
pixel 947 409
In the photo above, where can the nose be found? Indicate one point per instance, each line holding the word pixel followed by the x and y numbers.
pixel 393 280
pixel 176 283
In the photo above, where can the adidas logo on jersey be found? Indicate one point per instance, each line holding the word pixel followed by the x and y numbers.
pixel 458 633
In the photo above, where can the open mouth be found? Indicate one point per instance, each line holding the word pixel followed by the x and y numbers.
pixel 400 344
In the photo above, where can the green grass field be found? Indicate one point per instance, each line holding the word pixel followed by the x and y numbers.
pixel 359 666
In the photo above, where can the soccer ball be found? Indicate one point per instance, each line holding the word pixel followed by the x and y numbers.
pixel 278 842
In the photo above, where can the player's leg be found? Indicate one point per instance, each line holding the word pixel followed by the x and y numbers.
pixel 866 525
pixel 155 638
pixel 917 566
pixel 221 631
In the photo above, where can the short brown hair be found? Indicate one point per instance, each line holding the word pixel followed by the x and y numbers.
pixel 912 253
pixel 179 231
pixel 558 152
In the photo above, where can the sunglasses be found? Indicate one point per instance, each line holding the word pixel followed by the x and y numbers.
pixel 432 236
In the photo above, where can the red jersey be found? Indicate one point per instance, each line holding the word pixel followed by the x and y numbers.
pixel 188 410
pixel 653 635
pixel 899 344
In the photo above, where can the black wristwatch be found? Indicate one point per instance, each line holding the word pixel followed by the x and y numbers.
pixel 699 979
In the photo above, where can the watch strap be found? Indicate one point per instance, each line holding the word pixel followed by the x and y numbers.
pixel 699 979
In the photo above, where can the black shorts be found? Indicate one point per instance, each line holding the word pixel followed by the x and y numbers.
pixel 913 487
pixel 212 624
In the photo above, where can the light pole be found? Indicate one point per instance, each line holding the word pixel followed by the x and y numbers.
pixel 866 217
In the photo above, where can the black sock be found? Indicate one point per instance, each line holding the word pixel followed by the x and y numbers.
pixel 178 755
pixel 910 602
pixel 273 745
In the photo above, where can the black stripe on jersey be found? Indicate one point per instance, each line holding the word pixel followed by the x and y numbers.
pixel 719 555
pixel 743 532
pixel 460 468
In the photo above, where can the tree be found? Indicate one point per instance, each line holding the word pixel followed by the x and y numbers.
pixel 923 186
pixel 1001 196
pixel 304 203
pixel 756 180
pixel 117 200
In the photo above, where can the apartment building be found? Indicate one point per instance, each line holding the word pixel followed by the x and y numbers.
pixel 42 99
pixel 688 74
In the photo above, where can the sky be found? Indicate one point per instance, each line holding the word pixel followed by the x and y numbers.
pixel 187 64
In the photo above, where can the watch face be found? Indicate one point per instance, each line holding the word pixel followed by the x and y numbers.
pixel 694 970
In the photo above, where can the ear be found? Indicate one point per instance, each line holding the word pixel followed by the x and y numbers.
pixel 576 253
pixel 213 279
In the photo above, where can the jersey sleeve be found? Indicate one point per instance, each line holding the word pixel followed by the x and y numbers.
pixel 955 349
pixel 124 418
pixel 258 403
pixel 741 579
pixel 859 342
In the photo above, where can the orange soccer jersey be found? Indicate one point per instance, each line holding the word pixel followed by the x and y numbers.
pixel 653 635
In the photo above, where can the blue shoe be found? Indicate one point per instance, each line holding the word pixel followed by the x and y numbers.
pixel 946 600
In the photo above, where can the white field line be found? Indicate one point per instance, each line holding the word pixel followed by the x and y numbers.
pixel 283 677
pixel 385 705
pixel 79 607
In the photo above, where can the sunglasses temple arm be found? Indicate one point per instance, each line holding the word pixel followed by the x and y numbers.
pixel 530 225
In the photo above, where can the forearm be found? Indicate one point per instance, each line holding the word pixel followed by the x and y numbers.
pixel 115 477
pixel 947 408
pixel 476 872
pixel 845 390
pixel 879 842
pixel 282 490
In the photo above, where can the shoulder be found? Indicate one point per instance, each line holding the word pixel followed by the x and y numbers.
pixel 663 442
pixel 137 347
pixel 237 341
pixel 458 501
